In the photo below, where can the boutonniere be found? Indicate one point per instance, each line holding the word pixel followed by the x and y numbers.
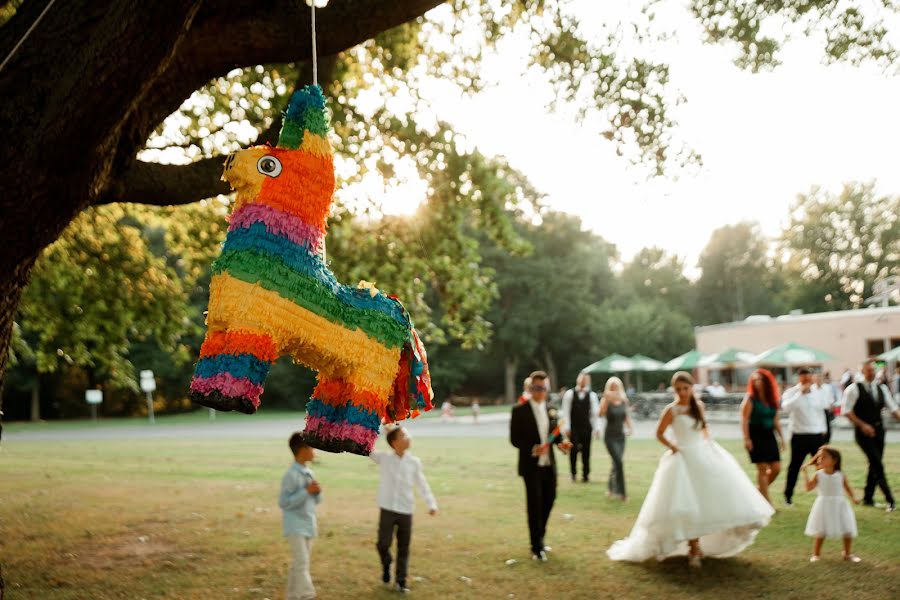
pixel 551 413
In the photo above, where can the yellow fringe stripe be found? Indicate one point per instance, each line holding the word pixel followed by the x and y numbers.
pixel 338 352
pixel 316 144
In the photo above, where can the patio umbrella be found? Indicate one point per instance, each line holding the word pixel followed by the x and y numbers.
pixel 686 362
pixel 645 363
pixel 891 355
pixel 792 354
pixel 728 360
pixel 730 357
pixel 614 363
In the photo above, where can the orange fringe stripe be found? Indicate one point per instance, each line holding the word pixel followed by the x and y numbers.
pixel 239 342
pixel 337 393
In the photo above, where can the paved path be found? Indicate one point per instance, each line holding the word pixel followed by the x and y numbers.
pixel 489 426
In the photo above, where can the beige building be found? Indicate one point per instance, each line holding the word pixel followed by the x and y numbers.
pixel 847 335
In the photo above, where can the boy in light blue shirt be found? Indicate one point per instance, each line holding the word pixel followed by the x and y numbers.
pixel 300 493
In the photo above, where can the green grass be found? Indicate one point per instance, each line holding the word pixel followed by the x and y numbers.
pixel 198 519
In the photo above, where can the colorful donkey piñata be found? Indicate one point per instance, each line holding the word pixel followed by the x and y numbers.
pixel 272 295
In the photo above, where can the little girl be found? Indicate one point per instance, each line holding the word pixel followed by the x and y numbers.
pixel 831 515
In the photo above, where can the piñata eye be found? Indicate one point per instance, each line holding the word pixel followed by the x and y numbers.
pixel 269 166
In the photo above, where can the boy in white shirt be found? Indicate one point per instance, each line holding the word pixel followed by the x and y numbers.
pixel 399 471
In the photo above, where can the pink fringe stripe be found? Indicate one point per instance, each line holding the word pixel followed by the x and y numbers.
pixel 343 431
pixel 228 385
pixel 279 223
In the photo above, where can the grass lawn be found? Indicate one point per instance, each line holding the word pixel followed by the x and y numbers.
pixel 185 519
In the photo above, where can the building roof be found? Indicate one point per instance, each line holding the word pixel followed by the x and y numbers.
pixel 756 320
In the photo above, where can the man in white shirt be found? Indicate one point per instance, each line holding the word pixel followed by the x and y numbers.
pixel 533 430
pixel 831 397
pixel 400 470
pixel 580 419
pixel 863 402
pixel 806 408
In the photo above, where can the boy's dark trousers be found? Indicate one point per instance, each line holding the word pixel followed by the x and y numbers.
pixel 387 521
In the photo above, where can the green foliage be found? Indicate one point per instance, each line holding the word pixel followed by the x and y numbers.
pixel 654 273
pixel 852 31
pixel 737 278
pixel 837 245
pixel 649 326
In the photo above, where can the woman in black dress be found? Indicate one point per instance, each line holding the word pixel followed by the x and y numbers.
pixel 760 419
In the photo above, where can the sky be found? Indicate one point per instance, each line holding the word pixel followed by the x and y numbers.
pixel 764 138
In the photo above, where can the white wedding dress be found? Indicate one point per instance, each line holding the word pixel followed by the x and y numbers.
pixel 698 492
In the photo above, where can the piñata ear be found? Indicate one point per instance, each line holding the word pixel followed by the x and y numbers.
pixel 305 112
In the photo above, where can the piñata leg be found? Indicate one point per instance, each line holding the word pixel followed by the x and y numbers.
pixel 232 369
pixel 342 417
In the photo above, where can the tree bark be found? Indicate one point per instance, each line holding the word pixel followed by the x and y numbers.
pixel 509 381
pixel 85 90
pixel 36 399
pixel 551 369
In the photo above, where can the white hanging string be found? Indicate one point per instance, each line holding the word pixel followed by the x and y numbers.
pixel 38 20
pixel 314 59
pixel 315 71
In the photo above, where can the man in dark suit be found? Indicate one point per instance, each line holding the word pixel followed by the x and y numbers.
pixel 532 432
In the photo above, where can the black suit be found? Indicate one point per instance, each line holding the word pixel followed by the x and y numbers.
pixel 540 482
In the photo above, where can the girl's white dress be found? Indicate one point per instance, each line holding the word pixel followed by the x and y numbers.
pixel 698 492
pixel 831 515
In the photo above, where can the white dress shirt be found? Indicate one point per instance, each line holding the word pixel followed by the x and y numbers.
pixel 569 398
pixel 398 475
pixel 807 411
pixel 851 395
pixel 543 425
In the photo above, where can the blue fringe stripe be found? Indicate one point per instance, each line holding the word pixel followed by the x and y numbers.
pixel 239 365
pixel 347 413
pixel 258 239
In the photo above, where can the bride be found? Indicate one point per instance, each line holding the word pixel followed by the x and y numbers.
pixel 700 497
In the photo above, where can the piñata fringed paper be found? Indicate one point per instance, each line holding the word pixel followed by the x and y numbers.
pixel 273 295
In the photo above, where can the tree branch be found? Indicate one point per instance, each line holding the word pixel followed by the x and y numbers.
pixel 165 185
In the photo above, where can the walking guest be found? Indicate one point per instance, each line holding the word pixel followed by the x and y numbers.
pixel 831 515
pixel 300 494
pixel 863 402
pixel 760 420
pixel 526 393
pixel 832 399
pixel 806 409
pixel 531 430
pixel 400 471
pixel 580 419
pixel 446 411
pixel 700 499
pixel 614 407
pixel 476 410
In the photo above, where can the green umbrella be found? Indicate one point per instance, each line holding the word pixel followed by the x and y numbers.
pixel 732 356
pixel 686 362
pixel 644 363
pixel 891 355
pixel 792 355
pixel 614 363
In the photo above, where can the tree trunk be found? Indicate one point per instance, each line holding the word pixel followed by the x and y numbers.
pixel 509 381
pixel 551 369
pixel 36 398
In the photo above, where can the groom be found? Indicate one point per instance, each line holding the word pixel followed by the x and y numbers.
pixel 532 432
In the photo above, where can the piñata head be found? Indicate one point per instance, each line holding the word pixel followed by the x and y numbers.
pixel 273 295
